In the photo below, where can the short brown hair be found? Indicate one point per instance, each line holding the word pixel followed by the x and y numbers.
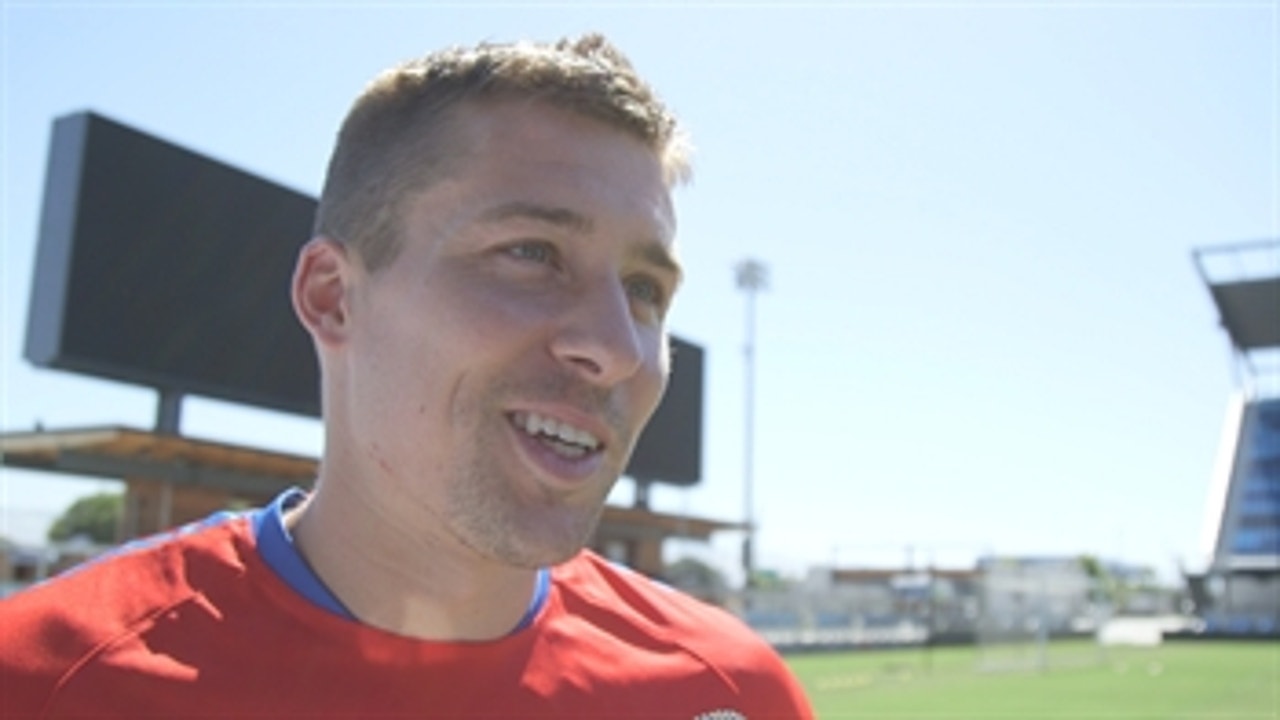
pixel 388 145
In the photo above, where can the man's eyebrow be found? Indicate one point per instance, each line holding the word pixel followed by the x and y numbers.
pixel 659 255
pixel 562 217
pixel 652 253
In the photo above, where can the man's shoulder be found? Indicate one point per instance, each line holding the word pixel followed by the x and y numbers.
pixel 643 624
pixel 61 623
pixel 615 592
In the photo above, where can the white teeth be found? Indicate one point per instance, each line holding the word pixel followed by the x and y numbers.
pixel 535 424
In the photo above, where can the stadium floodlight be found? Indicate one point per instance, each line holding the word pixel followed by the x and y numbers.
pixel 752 276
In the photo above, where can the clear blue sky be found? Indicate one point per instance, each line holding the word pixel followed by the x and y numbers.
pixel 984 331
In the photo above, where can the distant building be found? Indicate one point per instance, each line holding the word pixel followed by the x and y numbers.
pixel 1006 598
pixel 25 565
pixel 22 565
pixel 1239 591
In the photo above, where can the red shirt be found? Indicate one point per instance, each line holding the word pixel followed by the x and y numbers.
pixel 200 626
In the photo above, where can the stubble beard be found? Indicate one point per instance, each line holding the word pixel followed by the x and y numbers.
pixel 496 524
pixel 491 516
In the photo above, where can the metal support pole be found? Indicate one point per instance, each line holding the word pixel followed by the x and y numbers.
pixel 752 276
pixel 748 445
pixel 169 412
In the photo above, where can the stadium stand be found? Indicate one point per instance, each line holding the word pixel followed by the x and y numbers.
pixel 1239 592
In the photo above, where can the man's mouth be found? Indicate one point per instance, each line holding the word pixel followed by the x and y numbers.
pixel 564 439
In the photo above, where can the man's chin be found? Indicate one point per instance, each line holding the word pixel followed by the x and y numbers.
pixel 531 559
pixel 537 553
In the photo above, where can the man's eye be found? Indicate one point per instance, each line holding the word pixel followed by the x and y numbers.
pixel 648 291
pixel 538 252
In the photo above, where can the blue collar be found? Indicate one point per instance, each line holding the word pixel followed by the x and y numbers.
pixel 275 545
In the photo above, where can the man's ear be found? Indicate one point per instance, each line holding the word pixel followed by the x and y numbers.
pixel 320 287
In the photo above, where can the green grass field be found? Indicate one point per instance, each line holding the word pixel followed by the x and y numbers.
pixel 1176 680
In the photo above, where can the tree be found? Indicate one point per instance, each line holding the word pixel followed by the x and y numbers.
pixel 1109 588
pixel 95 516
pixel 697 578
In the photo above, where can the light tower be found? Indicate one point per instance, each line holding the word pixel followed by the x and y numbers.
pixel 752 276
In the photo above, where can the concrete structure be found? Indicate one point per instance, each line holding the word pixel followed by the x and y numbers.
pixel 171 480
pixel 1239 592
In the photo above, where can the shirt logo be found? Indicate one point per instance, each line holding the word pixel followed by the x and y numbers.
pixel 721 715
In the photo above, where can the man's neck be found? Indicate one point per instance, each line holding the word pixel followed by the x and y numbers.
pixel 408 581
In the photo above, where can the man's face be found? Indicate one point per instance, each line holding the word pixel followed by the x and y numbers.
pixel 498 372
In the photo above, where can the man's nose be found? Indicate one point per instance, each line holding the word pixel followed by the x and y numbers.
pixel 598 338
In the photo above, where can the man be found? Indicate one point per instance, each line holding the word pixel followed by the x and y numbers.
pixel 486 290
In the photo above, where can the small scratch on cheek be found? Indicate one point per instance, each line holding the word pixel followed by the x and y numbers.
pixel 375 454
pixel 454 397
